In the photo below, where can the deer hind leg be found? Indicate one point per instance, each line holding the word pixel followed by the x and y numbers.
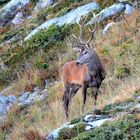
pixel 84 90
pixel 73 90
pixel 66 99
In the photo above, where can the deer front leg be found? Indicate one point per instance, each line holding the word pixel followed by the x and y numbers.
pixel 84 90
pixel 95 94
pixel 66 100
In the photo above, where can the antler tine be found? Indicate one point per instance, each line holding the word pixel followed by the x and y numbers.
pixel 81 29
pixel 92 31
pixel 76 38
pixel 92 34
pixel 68 42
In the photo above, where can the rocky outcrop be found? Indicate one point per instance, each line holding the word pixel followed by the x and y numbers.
pixel 91 121
pixel 8 12
pixel 112 10
pixel 69 18
pixel 75 15
pixel 25 99
pixel 5 103
pixel 28 98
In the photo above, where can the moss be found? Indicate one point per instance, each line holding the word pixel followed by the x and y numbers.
pixel 68 133
pixel 121 72
pixel 124 128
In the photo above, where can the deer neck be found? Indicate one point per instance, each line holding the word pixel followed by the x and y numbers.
pixel 90 67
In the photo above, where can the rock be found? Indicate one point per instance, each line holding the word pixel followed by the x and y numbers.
pixel 90 121
pixel 138 98
pixel 8 12
pixel 107 12
pixel 5 103
pixel 137 106
pixel 128 9
pixel 37 89
pixel 93 121
pixel 55 134
pixel 29 17
pixel 49 137
pixel 107 27
pixel 89 118
pixel 97 123
pixel 3 67
pixel 43 4
pixel 71 17
pixel 23 97
pixel 18 18
pixel 28 98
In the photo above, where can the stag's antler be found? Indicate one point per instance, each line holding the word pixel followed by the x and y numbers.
pixel 92 31
pixel 81 25
pixel 80 39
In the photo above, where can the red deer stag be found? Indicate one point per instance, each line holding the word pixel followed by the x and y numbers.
pixel 87 71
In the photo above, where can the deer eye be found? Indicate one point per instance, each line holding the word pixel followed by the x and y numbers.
pixel 85 52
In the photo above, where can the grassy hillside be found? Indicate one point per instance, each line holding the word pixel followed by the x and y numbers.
pixel 30 63
pixel 18 54
pixel 119 51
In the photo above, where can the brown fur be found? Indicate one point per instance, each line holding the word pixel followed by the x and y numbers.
pixel 70 73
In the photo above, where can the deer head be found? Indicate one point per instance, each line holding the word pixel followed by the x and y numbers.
pixel 85 47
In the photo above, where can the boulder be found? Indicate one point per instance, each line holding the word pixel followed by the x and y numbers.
pixel 5 103
pixel 71 17
pixel 91 121
pixel 128 9
pixel 108 12
pixel 28 98
pixel 8 12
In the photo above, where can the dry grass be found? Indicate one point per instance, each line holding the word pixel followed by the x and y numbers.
pixel 27 80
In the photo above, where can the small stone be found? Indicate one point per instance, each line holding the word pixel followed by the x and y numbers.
pixel 137 107
pixel 18 18
pixel 89 118
pixel 88 128
pixel 138 98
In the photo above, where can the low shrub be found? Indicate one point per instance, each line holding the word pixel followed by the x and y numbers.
pixel 124 128
pixel 121 72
